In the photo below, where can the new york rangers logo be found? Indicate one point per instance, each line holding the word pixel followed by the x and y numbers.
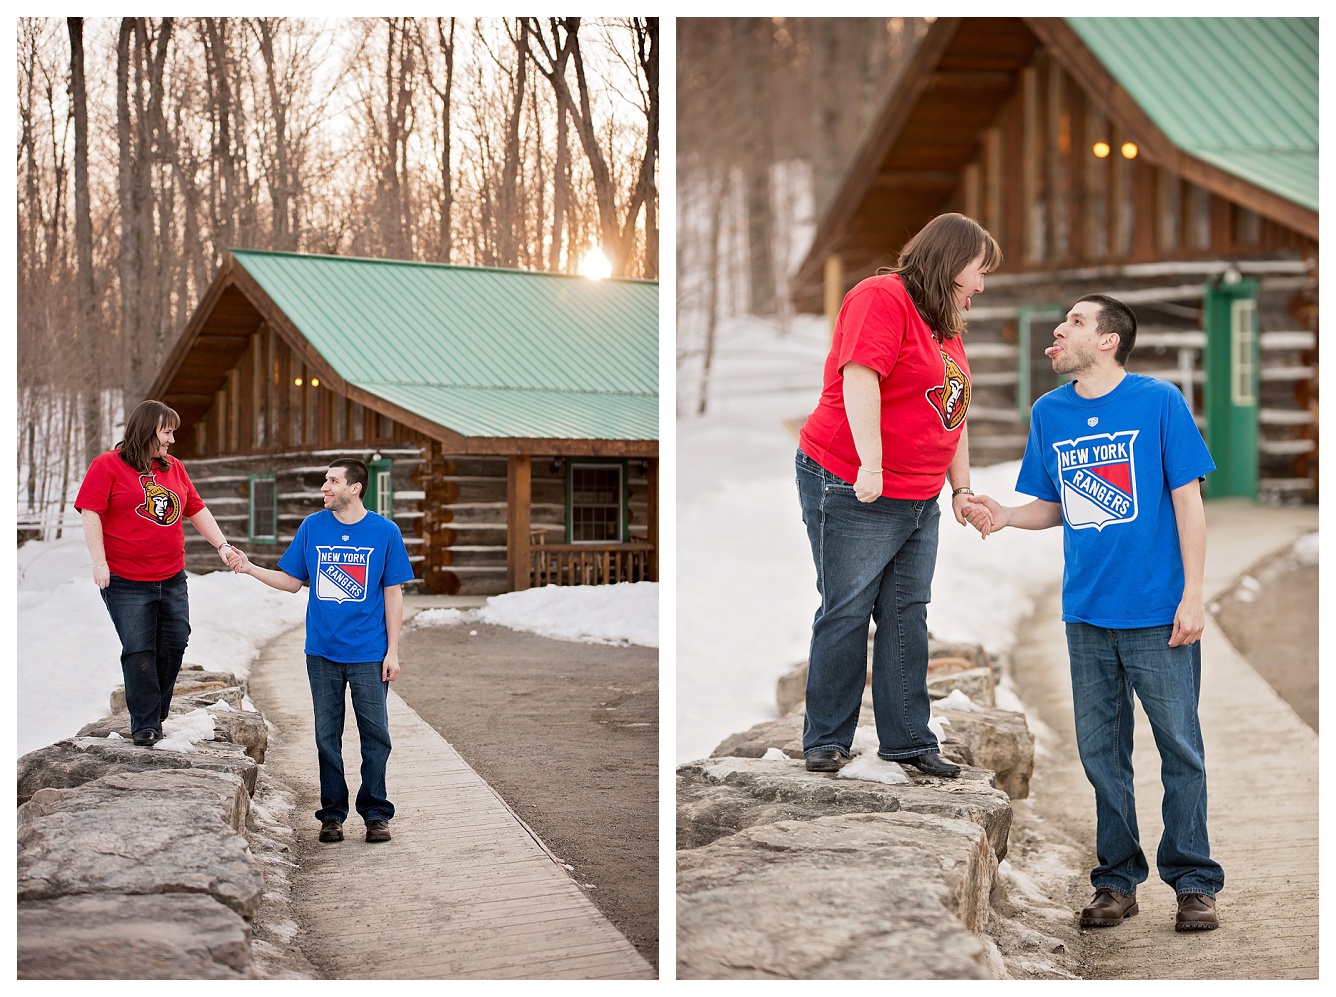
pixel 341 573
pixel 1099 482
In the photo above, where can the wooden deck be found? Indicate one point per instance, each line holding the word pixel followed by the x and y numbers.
pixel 464 891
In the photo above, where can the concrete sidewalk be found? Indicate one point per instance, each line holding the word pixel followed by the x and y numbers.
pixel 463 891
pixel 1262 765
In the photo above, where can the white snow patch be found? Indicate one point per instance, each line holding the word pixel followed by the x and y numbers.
pixel 1306 549
pixel 442 618
pixel 184 731
pixel 957 700
pixel 870 768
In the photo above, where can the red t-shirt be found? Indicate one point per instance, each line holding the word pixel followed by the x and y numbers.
pixel 925 392
pixel 141 515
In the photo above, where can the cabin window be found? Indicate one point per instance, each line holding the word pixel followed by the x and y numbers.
pixel 1170 205
pixel 1247 227
pixel 596 502
pixel 263 509
pixel 1200 208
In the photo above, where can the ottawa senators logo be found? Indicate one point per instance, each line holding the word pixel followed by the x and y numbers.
pixel 952 397
pixel 160 505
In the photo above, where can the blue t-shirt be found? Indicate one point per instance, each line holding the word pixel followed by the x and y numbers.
pixel 348 567
pixel 1112 463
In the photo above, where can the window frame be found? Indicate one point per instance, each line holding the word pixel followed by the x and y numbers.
pixel 251 535
pixel 623 524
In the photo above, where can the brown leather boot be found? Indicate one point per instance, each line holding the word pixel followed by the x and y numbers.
pixel 1196 912
pixel 1107 909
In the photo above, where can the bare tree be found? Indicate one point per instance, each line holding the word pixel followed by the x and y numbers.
pixel 83 240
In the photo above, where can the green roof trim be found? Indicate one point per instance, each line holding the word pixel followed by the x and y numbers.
pixel 1240 93
pixel 483 352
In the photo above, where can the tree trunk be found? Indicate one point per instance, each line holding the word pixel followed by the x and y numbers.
pixel 129 262
pixel 561 183
pixel 510 215
pixel 712 316
pixel 83 242
pixel 278 180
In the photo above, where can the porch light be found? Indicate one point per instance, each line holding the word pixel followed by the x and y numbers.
pixel 1129 150
pixel 297 381
pixel 315 382
pixel 1101 149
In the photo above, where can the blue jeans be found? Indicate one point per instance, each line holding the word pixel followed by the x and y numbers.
pixel 1107 667
pixel 152 620
pixel 874 562
pixel 328 680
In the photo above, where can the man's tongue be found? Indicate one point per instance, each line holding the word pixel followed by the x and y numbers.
pixel 1053 351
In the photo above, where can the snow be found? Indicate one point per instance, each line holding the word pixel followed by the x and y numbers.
pixel 69 655
pixel 748 590
pixel 626 613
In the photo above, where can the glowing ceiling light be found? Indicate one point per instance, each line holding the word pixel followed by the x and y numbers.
pixel 1129 150
pixel 1101 149
pixel 297 381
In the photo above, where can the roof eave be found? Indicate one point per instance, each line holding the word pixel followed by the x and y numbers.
pixel 881 137
pixel 1116 103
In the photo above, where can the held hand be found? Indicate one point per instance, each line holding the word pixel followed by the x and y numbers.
pixel 101 576
pixel 867 487
pixel 986 515
pixel 237 561
pixel 960 507
pixel 390 670
pixel 1189 622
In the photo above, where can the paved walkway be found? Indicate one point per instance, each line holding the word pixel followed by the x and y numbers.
pixel 1262 773
pixel 464 891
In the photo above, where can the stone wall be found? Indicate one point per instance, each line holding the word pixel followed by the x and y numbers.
pixel 875 872
pixel 150 863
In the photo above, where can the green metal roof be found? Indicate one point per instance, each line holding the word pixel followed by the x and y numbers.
pixel 483 352
pixel 1239 93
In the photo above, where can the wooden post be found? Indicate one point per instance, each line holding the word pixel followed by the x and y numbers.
pixel 652 515
pixel 519 493
pixel 834 288
pixel 1029 163
pixel 992 182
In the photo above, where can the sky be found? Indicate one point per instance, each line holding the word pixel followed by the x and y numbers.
pixel 69 656
pixel 748 586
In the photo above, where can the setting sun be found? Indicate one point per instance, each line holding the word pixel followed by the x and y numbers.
pixel 595 265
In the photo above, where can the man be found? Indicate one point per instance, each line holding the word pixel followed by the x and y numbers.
pixel 1118 460
pixel 356 563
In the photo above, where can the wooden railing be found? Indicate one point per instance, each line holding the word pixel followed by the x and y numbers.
pixel 589 564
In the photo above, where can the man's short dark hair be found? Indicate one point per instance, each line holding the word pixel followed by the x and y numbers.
pixel 1116 317
pixel 354 472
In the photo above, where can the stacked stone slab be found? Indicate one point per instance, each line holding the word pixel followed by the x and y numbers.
pixel 133 862
pixel 789 874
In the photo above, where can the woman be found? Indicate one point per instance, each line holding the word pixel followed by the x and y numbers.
pixel 889 428
pixel 132 501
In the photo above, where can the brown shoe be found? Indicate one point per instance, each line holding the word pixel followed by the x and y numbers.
pixel 377 830
pixel 1196 912
pixel 331 831
pixel 1107 909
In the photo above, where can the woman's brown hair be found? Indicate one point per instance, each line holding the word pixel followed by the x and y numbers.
pixel 929 262
pixel 141 435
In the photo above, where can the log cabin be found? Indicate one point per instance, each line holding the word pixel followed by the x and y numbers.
pixel 509 418
pixel 1171 162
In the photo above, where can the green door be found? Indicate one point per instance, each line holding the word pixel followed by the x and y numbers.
pixel 1229 317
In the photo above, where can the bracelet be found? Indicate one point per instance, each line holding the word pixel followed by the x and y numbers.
pixel 224 544
pixel 962 491
pixel 871 470
pixel 101 564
